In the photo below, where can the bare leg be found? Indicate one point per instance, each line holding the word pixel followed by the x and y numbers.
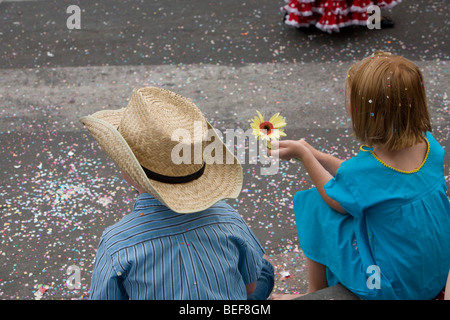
pixel 317 275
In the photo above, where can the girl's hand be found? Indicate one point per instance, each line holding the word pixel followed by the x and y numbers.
pixel 320 176
pixel 288 149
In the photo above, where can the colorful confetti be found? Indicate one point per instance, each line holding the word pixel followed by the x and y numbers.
pixel 59 191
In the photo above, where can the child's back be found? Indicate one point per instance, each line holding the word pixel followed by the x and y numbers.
pixel 399 221
pixel 155 253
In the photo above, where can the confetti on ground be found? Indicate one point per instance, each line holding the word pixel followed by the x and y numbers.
pixel 40 292
pixel 59 191
pixel 285 275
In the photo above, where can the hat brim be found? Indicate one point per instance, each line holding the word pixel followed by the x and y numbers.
pixel 219 180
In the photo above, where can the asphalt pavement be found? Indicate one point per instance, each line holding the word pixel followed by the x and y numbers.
pixel 59 191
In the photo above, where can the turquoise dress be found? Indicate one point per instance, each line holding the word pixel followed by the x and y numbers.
pixel 394 243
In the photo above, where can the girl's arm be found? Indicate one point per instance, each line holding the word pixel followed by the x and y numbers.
pixel 329 162
pixel 319 175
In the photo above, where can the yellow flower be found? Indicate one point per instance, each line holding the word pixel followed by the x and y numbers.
pixel 268 130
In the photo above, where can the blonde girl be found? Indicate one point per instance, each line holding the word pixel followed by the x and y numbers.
pixel 379 222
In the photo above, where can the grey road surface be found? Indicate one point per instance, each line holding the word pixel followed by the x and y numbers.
pixel 59 191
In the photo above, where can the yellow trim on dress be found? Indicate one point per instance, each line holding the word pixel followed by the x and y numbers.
pixel 395 169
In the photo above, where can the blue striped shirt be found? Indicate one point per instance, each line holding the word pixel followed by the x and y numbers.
pixel 155 253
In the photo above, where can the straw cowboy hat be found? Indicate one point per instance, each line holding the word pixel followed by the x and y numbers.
pixel 138 138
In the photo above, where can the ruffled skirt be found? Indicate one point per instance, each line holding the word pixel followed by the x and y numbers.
pixel 331 15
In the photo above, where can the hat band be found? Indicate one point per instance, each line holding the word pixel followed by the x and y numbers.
pixel 174 180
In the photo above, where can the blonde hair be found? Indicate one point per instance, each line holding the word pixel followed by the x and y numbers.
pixel 387 101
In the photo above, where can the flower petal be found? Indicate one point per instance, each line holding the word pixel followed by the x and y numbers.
pixel 256 120
pixel 260 116
pixel 276 136
pixel 279 124
pixel 278 121
pixel 275 116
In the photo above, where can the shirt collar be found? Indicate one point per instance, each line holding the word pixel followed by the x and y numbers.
pixel 145 200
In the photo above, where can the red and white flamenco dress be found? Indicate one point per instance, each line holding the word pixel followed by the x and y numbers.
pixel 331 15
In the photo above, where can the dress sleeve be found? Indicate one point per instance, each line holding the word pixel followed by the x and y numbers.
pixel 343 188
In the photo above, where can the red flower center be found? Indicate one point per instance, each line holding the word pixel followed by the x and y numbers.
pixel 266 125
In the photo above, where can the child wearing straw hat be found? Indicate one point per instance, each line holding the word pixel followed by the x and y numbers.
pixel 181 241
